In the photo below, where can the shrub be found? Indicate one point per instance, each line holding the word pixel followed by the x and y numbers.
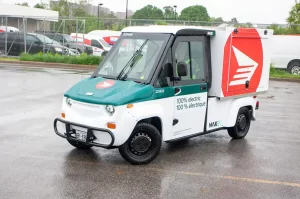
pixel 83 59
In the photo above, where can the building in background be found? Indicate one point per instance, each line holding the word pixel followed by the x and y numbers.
pixel 31 18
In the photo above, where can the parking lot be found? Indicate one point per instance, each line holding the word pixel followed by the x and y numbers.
pixel 36 163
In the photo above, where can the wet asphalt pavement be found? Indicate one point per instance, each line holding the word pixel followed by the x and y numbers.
pixel 36 163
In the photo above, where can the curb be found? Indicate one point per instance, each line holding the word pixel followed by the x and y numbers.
pixel 284 79
pixel 50 65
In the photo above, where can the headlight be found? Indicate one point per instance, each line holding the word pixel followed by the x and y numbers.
pixel 110 109
pixel 69 101
pixel 58 49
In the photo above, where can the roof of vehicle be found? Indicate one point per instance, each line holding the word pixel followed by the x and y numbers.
pixel 176 30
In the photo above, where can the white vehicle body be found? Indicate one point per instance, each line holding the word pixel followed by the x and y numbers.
pixel 109 36
pixel 8 29
pixel 99 45
pixel 286 52
pixel 234 68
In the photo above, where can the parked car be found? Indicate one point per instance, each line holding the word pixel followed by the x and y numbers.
pixel 68 41
pixel 35 43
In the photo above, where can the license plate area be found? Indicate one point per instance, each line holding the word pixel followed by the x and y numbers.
pixel 79 133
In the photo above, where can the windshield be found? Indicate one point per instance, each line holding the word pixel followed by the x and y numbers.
pixel 45 39
pixel 104 43
pixel 69 39
pixel 134 56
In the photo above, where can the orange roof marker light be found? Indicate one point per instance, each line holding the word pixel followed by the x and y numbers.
pixel 63 115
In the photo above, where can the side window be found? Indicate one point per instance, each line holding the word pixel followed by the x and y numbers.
pixel 192 54
pixel 182 54
pixel 58 38
pixel 162 80
pixel 198 60
pixel 30 39
pixel 96 43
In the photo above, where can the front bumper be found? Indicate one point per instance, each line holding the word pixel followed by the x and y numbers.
pixel 90 135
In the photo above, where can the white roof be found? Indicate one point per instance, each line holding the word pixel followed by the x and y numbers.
pixel 105 33
pixel 164 29
pixel 17 11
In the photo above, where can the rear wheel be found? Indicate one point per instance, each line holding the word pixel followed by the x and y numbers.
pixel 294 68
pixel 242 125
pixel 79 145
pixel 143 145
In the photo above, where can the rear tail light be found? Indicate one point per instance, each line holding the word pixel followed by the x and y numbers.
pixel 257 105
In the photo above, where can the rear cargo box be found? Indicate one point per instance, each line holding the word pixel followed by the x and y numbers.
pixel 240 61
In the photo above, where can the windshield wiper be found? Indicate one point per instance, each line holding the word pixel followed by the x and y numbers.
pixel 133 61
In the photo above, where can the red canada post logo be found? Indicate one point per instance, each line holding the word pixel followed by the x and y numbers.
pixel 105 84
pixel 243 61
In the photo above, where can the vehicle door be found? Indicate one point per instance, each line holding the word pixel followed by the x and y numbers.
pixel 14 44
pixel 190 90
pixel 97 47
pixel 33 44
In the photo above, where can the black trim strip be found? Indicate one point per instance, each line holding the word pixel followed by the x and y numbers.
pixel 90 135
pixel 196 135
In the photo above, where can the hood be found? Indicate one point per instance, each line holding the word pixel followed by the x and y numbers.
pixel 106 91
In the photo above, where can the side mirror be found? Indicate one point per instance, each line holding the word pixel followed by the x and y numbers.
pixel 168 70
pixel 182 69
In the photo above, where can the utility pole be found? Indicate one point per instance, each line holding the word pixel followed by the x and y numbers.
pixel 126 12
pixel 100 4
pixel 175 6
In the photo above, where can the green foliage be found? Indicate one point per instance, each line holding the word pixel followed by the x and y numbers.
pixel 83 59
pixel 23 4
pixel 279 73
pixel 40 5
pixel 169 12
pixel 294 17
pixel 195 13
pixel 280 30
pixel 148 12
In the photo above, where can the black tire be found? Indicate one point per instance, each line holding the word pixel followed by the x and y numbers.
pixel 242 125
pixel 79 145
pixel 294 68
pixel 143 145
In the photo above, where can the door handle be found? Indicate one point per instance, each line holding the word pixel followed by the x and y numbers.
pixel 203 87
pixel 177 91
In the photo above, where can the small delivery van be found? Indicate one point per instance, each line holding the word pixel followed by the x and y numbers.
pixel 173 83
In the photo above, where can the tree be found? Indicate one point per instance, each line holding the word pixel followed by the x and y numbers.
pixel 195 13
pixel 294 17
pixel 148 12
pixel 217 20
pixel 22 4
pixel 169 12
pixel 40 5
pixel 234 20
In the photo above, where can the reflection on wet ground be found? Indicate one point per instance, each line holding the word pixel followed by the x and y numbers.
pixel 35 163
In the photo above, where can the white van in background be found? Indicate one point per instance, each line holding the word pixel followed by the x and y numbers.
pixel 286 53
pixel 100 46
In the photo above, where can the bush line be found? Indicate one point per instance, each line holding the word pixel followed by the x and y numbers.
pixel 82 59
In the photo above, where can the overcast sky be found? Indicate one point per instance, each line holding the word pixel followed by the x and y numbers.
pixel 254 11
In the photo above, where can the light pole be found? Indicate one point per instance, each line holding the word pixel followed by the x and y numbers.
pixel 100 4
pixel 126 12
pixel 175 6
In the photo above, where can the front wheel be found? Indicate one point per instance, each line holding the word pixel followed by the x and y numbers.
pixel 242 125
pixel 142 146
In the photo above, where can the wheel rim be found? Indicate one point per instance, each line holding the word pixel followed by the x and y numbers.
pixel 242 123
pixel 295 70
pixel 141 144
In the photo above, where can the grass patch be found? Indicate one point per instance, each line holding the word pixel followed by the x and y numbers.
pixel 83 59
pixel 9 59
pixel 278 73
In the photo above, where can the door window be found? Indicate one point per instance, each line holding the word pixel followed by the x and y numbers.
pixel 95 43
pixel 192 53
pixel 30 39
pixel 162 79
